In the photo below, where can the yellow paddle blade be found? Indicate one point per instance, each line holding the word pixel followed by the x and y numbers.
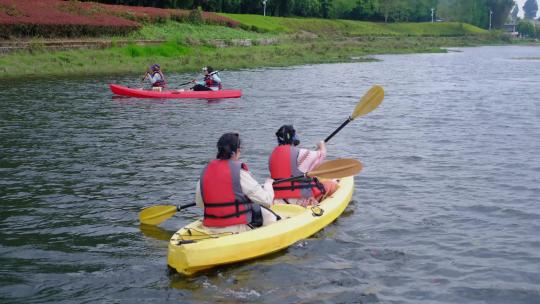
pixel 156 214
pixel 369 102
pixel 337 168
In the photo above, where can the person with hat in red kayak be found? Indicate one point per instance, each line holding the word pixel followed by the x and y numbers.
pixel 210 82
pixel 155 76
pixel 233 201
pixel 287 160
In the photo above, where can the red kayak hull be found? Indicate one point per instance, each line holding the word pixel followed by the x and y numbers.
pixel 131 92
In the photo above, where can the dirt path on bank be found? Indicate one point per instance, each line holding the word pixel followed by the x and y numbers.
pixel 9 46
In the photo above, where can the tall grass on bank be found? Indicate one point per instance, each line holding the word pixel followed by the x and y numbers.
pixel 175 57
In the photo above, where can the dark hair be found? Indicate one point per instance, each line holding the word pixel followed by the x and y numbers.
pixel 227 144
pixel 286 135
pixel 209 69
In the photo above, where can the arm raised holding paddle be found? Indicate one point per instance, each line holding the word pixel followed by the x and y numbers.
pixel 288 160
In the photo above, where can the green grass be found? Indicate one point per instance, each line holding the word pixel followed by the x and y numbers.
pixel 176 31
pixel 260 23
pixel 168 49
pixel 350 28
pixel 440 29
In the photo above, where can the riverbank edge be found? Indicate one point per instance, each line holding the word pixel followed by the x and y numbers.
pixel 116 61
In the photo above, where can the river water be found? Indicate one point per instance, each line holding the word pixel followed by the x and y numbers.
pixel 446 209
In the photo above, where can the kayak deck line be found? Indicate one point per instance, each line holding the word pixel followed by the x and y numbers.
pixel 209 250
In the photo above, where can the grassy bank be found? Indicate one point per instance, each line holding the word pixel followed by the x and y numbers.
pixel 302 41
pixel 350 28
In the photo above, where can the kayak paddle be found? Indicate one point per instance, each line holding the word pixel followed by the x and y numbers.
pixel 369 102
pixel 336 168
pixel 143 79
pixel 185 83
pixel 157 214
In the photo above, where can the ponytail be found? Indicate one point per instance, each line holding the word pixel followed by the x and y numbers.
pixel 227 144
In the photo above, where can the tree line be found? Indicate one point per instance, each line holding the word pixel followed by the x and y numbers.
pixel 475 12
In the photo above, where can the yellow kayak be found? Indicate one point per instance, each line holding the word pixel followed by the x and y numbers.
pixel 193 248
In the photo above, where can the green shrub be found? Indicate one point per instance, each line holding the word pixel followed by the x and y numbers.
pixel 526 28
pixel 195 16
pixel 168 49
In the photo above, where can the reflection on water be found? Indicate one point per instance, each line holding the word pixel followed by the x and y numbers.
pixel 444 211
pixel 156 232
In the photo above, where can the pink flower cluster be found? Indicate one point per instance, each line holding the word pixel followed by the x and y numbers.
pixel 51 18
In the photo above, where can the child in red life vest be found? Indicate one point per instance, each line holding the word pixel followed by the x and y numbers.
pixel 287 160
pixel 156 77
pixel 232 199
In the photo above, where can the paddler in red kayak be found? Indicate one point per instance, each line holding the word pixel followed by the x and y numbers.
pixel 233 201
pixel 287 160
pixel 156 78
pixel 211 81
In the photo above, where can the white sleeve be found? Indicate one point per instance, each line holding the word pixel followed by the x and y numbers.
pixel 155 78
pixel 198 196
pixel 307 160
pixel 255 192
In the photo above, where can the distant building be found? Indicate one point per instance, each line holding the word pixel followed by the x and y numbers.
pixel 510 28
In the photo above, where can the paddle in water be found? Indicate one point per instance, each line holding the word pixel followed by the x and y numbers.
pixel 337 168
pixel 369 102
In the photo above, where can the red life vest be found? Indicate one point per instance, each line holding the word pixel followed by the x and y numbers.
pixel 224 202
pixel 283 163
pixel 210 82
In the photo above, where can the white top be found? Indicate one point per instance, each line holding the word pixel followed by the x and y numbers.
pixel 154 78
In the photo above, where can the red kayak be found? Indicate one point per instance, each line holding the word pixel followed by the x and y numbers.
pixel 139 93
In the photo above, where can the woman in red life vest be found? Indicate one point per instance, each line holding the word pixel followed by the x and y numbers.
pixel 287 161
pixel 232 199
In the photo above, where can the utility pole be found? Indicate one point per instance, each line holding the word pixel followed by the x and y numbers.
pixel 264 7
pixel 432 10
pixel 490 14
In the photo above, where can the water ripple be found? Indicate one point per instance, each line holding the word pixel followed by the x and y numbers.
pixel 445 210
